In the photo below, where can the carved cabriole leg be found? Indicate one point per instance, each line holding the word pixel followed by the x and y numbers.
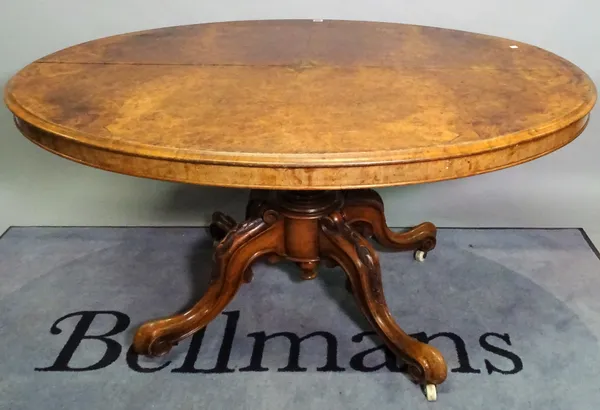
pixel 307 228
pixel 220 225
pixel 242 245
pixel 357 257
pixel 363 209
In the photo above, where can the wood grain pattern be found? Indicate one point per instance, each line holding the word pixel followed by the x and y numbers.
pixel 300 105
pixel 297 104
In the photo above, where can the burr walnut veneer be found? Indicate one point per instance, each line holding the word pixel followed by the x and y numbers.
pixel 309 114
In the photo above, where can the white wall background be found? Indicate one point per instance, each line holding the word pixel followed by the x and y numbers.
pixel 38 188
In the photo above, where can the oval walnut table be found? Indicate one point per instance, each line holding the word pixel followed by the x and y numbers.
pixel 310 114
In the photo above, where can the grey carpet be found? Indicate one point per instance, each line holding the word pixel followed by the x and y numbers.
pixel 516 313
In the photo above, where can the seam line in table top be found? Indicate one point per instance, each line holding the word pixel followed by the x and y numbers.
pixel 356 162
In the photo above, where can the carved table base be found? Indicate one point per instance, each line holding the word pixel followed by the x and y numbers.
pixel 308 228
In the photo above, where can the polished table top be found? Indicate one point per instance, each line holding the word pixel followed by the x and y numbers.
pixel 301 104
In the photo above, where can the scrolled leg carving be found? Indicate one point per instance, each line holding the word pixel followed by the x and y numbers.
pixel 241 246
pixel 363 210
pixel 220 225
pixel 340 242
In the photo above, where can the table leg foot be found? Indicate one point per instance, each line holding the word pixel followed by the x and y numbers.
pixel 420 255
pixel 363 210
pixel 340 242
pixel 430 391
pixel 235 253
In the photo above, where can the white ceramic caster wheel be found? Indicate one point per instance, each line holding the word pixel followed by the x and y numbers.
pixel 430 392
pixel 420 256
